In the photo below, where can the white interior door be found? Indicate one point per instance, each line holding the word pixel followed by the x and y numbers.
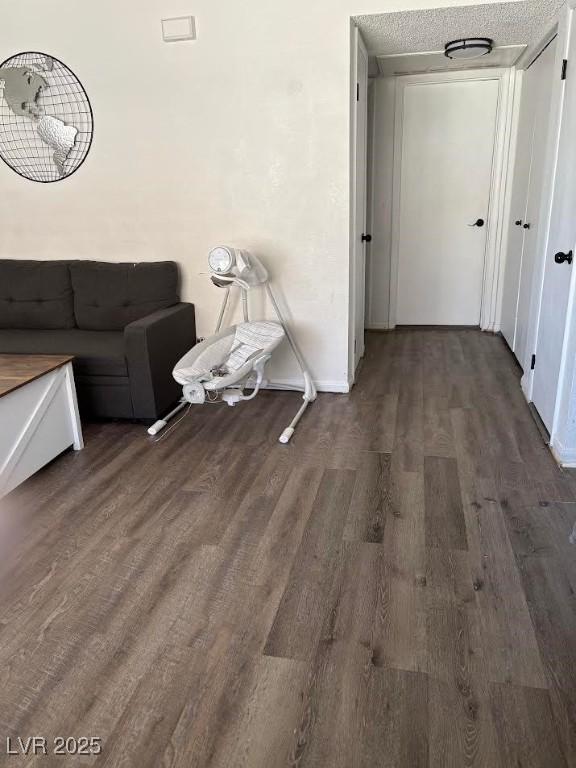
pixel 446 156
pixel 562 239
pixel 519 199
pixel 359 161
pixel 539 80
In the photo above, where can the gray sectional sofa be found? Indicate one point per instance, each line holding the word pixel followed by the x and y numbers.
pixel 124 323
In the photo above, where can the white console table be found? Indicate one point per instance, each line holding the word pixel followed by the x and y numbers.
pixel 38 414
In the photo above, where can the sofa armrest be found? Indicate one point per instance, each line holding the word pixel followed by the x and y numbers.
pixel 153 346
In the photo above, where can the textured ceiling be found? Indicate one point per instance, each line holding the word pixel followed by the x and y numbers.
pixel 429 29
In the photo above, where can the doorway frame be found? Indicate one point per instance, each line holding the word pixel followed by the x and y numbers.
pixel 500 187
pixel 356 228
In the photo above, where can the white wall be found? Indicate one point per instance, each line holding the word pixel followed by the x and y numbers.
pixel 369 195
pixel 382 160
pixel 564 439
pixel 240 137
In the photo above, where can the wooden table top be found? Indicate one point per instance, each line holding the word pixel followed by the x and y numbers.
pixel 18 370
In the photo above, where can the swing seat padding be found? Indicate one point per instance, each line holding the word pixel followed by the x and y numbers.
pixel 234 350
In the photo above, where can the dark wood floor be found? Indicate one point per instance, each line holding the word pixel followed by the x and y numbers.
pixel 395 588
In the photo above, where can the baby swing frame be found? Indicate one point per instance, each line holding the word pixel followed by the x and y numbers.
pixel 246 272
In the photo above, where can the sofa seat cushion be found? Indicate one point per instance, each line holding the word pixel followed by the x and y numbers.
pixel 97 353
pixel 35 294
pixel 108 296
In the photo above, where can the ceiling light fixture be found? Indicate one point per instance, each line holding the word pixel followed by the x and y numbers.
pixel 468 48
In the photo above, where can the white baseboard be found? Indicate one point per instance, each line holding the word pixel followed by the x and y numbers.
pixel 322 385
pixel 566 457
pixel 525 383
pixel 378 327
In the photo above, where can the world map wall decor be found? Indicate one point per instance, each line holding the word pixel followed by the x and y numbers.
pixel 46 121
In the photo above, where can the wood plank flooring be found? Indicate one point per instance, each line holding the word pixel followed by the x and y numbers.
pixel 395 588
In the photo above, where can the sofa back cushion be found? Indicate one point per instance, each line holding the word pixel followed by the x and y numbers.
pixel 109 296
pixel 35 295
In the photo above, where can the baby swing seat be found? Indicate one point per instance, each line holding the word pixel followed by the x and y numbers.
pixel 228 359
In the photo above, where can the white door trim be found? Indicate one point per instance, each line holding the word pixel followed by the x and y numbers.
pixel 356 43
pixel 499 192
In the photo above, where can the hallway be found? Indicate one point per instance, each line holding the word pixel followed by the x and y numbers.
pixel 395 588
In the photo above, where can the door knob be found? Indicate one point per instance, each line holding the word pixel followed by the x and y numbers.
pixel 518 223
pixel 526 226
pixel 477 223
pixel 366 238
pixel 560 257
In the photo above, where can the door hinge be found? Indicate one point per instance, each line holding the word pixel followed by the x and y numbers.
pixel 357 91
pixel 564 68
pixel 533 362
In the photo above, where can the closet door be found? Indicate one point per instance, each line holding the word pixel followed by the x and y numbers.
pixel 445 138
pixel 558 285
pixel 518 211
pixel 540 76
